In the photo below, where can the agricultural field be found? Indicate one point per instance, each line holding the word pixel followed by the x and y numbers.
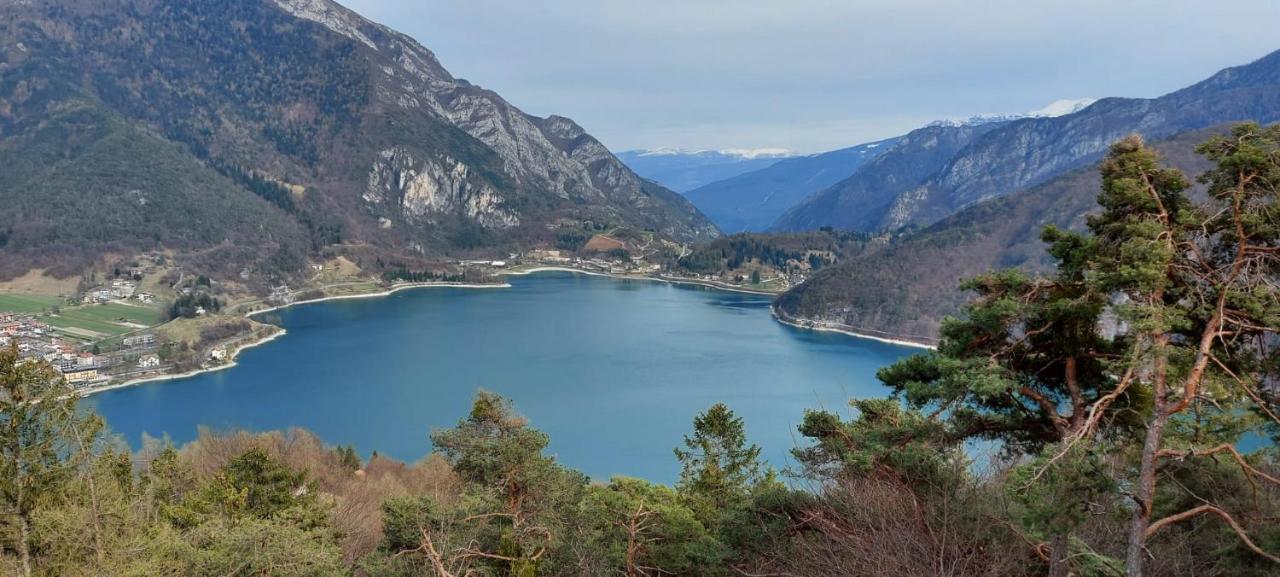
pixel 106 320
pixel 24 303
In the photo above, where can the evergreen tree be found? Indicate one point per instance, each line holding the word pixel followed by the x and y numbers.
pixel 1202 300
pixel 501 458
pixel 718 467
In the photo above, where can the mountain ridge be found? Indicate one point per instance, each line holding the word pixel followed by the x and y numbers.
pixel 388 154
pixel 1028 151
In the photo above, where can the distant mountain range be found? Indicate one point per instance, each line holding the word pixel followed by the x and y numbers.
pixel 259 133
pixel 752 201
pixel 683 170
pixel 938 170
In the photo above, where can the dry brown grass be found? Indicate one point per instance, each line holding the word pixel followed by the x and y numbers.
pixel 37 283
pixel 602 243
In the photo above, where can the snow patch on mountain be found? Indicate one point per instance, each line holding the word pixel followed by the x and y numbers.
pixel 743 153
pixel 1063 107
pixel 1054 109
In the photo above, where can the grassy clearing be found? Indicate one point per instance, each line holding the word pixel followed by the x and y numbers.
pixel 15 303
pixel 36 283
pixel 107 320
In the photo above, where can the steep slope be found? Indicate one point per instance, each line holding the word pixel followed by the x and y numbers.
pixel 856 202
pixel 1030 151
pixel 683 171
pixel 378 146
pixel 83 181
pixel 752 201
pixel 904 288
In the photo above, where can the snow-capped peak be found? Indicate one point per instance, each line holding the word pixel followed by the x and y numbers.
pixel 754 153
pixel 1054 109
pixel 1063 107
pixel 742 153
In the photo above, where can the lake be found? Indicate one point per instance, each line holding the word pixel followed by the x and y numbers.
pixel 614 370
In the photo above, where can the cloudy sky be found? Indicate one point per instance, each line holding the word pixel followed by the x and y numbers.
pixel 813 75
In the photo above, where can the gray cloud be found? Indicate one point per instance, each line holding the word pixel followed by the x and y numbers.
pixel 813 75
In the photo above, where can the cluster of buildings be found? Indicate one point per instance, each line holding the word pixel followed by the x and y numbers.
pixel 37 341
pixel 33 337
pixel 119 289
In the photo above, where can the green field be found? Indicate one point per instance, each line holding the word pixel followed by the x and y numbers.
pixel 105 320
pixel 11 303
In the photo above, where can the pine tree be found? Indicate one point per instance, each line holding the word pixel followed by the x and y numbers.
pixel 37 417
pixel 718 466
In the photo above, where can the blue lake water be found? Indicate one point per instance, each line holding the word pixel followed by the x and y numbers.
pixel 614 370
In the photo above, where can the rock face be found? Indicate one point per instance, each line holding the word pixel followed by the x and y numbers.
pixel 393 151
pixel 881 185
pixel 428 189
pixel 1003 158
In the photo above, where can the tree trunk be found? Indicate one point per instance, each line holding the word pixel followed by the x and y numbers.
pixel 24 544
pixel 95 512
pixel 1059 549
pixel 1134 555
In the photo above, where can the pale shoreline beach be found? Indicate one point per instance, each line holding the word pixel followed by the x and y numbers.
pixel 814 326
pixel 230 363
pixel 394 289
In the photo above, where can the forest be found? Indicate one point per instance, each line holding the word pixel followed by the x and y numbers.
pixel 1115 416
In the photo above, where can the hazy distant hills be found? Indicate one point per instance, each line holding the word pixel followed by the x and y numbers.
pixel 261 132
pixel 682 170
pixel 752 201
pixel 917 183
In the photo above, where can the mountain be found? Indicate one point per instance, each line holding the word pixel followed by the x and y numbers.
pixel 683 171
pixel 904 287
pixel 752 201
pixel 258 133
pixel 857 202
pixel 1018 154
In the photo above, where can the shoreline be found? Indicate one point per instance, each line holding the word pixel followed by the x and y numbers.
pixel 394 289
pixel 89 391
pixel 282 331
pixel 814 326
pixel 233 355
pixel 668 280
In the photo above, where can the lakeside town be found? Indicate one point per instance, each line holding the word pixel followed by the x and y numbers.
pixel 148 319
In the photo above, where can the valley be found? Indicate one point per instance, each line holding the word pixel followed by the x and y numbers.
pixel 797 294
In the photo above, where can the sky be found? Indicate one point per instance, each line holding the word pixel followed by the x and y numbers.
pixel 815 75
